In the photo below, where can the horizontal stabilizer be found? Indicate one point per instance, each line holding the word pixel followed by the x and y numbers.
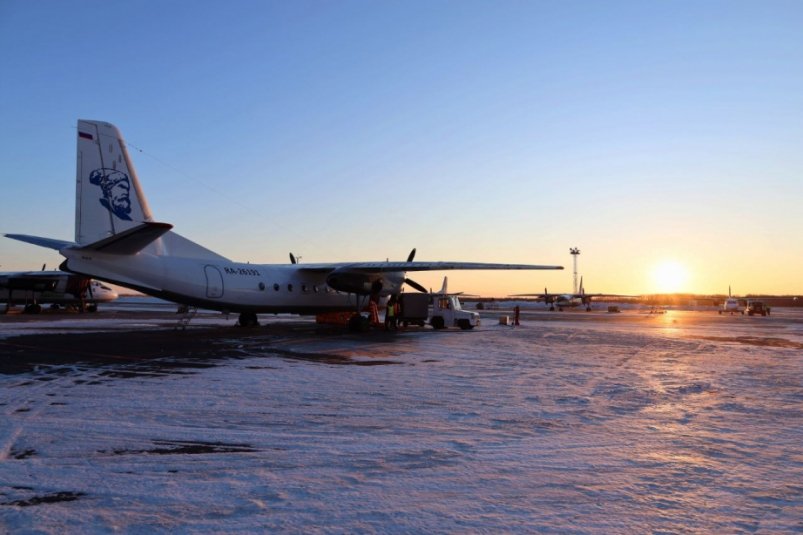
pixel 130 241
pixel 50 243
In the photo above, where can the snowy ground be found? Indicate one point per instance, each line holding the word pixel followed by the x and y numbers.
pixel 570 423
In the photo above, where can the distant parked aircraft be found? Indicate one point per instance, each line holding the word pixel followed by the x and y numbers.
pixel 731 305
pixel 32 288
pixel 568 300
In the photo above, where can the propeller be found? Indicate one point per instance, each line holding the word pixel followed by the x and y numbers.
pixel 416 285
pixel 548 299
pixel 411 282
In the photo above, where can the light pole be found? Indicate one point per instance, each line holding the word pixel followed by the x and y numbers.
pixel 575 252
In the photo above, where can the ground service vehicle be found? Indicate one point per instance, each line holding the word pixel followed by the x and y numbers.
pixel 757 307
pixel 440 310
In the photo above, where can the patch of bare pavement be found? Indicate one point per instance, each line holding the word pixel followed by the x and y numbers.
pixel 138 336
pixel 166 348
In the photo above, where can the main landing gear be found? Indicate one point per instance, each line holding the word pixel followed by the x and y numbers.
pixel 248 319
pixel 359 323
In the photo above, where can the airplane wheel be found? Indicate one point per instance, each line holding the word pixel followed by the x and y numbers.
pixel 248 319
pixel 358 323
pixel 92 308
pixel 32 309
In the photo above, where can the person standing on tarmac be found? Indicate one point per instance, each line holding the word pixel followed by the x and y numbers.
pixel 390 314
pixel 516 314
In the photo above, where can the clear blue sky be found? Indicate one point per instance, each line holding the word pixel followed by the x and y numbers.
pixel 641 132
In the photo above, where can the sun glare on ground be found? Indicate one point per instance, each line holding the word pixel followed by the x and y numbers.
pixel 669 277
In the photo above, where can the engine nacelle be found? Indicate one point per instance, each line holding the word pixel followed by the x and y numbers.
pixel 355 283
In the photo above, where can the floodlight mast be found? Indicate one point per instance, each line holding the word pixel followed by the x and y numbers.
pixel 575 252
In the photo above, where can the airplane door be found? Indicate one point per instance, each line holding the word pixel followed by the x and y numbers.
pixel 214 282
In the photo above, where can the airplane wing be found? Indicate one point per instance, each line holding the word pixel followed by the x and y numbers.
pixel 535 297
pixel 384 267
pixel 572 296
pixel 363 277
pixel 604 295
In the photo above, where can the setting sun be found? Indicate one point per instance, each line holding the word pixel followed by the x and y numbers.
pixel 669 276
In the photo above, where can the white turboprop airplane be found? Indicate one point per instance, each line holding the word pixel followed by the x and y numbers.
pixel 32 288
pixel 569 300
pixel 117 240
pixel 731 305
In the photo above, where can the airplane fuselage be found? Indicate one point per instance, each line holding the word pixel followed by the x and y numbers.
pixel 567 301
pixel 731 305
pixel 225 285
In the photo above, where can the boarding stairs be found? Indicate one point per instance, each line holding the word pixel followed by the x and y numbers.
pixel 187 313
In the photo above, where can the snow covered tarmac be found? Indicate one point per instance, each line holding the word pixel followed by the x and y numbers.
pixel 572 423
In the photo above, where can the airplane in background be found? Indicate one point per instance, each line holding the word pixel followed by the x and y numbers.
pixel 32 288
pixel 731 305
pixel 117 240
pixel 568 300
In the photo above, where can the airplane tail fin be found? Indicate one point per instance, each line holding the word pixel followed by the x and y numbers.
pixel 445 286
pixel 109 199
pixel 111 212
